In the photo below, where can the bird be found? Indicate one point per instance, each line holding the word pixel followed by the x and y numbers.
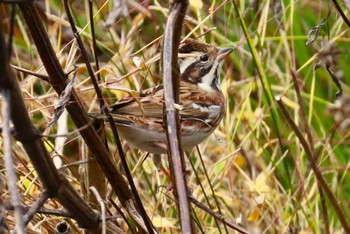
pixel 139 119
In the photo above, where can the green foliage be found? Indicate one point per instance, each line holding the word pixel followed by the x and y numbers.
pixel 258 172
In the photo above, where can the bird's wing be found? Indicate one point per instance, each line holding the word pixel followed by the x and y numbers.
pixel 148 104
pixel 199 103
pixel 194 103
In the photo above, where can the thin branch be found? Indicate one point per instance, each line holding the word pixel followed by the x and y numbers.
pixel 60 213
pixel 219 216
pixel 341 12
pixel 302 109
pixel 94 43
pixel 102 206
pixel 58 80
pixel 324 211
pixel 140 207
pixel 9 164
pixel 171 79
pixel 210 186
pixel 335 79
pixel 120 211
pixel 36 207
pixel 311 144
pixel 27 72
pixel 26 133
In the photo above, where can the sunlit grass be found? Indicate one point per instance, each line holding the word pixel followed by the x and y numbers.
pixel 259 176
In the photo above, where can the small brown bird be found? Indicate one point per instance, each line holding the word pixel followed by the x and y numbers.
pixel 201 106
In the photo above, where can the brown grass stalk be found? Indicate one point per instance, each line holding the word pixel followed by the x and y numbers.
pixel 171 77
pixel 55 185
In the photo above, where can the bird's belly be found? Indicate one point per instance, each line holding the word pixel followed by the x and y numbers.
pixel 146 140
pixel 155 142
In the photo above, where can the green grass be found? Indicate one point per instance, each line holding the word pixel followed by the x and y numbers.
pixel 254 170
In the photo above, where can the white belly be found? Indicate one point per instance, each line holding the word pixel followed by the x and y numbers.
pixel 155 142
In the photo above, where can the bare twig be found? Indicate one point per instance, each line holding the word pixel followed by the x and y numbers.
pixel 171 79
pixel 311 143
pixel 9 165
pixel 210 185
pixel 25 71
pixel 302 108
pixel 324 210
pixel 76 110
pixel 62 213
pixel 103 208
pixel 140 207
pixel 36 207
pixel 26 133
pixel 335 79
pixel 119 210
pixel 219 216
pixel 311 158
pixel 341 12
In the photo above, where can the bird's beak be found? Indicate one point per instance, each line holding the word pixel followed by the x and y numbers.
pixel 223 52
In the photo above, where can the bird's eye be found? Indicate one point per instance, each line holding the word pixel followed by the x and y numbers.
pixel 204 58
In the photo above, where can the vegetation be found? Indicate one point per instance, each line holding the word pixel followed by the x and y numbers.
pixel 257 170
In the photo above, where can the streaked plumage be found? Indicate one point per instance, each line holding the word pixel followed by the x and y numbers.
pixel 202 105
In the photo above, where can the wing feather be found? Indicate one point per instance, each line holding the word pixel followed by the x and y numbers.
pixel 194 102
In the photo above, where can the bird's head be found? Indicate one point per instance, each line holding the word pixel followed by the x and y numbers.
pixel 200 63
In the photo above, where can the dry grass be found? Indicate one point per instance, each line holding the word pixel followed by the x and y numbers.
pixel 254 170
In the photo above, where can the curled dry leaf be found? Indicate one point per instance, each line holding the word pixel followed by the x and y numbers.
pixel 314 32
pixel 63 101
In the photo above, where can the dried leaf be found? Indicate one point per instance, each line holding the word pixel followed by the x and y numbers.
pixel 63 101
pixel 260 184
pixel 313 33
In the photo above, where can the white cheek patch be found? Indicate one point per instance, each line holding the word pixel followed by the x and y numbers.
pixel 186 62
pixel 207 80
